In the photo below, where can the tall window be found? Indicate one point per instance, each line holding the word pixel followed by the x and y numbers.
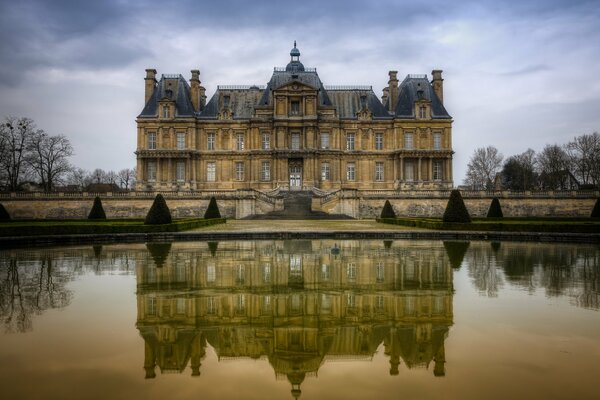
pixel 437 170
pixel 379 141
pixel 180 171
pixel 350 141
pixel 210 141
pixel 211 273
pixel 165 111
pixel 437 140
pixel 266 171
pixel 409 171
pixel 240 141
pixel 180 140
pixel 151 171
pixel 267 273
pixel 295 141
pixel 239 171
pixel 408 140
pixel 325 171
pixel 266 141
pixel 380 271
pixel 379 171
pixel 226 100
pixel 422 112
pixel 351 271
pixel 152 140
pixel 295 107
pixel 324 140
pixel 325 272
pixel 351 171
pixel 211 171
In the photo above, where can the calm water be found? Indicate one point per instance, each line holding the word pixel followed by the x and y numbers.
pixel 315 319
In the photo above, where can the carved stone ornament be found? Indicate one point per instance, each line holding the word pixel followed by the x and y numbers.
pixel 225 114
pixel 364 114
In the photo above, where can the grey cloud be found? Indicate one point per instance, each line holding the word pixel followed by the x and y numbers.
pixel 526 70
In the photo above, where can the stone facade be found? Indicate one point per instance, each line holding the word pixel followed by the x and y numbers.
pixel 294 133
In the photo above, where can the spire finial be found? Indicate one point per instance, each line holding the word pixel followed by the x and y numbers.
pixel 294 43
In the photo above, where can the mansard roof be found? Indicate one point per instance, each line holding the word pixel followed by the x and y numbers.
pixel 172 87
pixel 242 101
pixel 282 77
pixel 417 87
pixel 347 101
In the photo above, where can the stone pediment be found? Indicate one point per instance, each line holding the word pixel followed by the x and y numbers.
pixel 296 86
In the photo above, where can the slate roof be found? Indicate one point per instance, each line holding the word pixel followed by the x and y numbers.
pixel 409 89
pixel 348 103
pixel 283 77
pixel 174 87
pixel 241 102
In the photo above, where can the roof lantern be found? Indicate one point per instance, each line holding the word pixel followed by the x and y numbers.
pixel 295 65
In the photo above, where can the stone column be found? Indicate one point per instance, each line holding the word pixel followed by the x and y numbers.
pixel 401 169
pixel 419 170
pixel 430 172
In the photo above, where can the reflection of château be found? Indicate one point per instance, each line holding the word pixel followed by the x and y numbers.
pixel 297 303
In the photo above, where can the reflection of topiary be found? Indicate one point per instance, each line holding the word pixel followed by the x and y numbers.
pixel 387 244
pixel 97 250
pixel 596 210
pixel 213 210
pixel 456 252
pixel 159 212
pixel 4 215
pixel 495 211
pixel 159 252
pixel 97 211
pixel 212 246
pixel 388 210
pixel 495 246
pixel 456 211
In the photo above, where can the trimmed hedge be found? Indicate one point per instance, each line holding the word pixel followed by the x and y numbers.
pixel 495 211
pixel 101 227
pixel 213 209
pixel 159 213
pixel 4 215
pixel 596 209
pixel 456 211
pixel 97 211
pixel 501 226
pixel 388 210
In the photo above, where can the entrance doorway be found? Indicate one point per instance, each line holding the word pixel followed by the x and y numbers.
pixel 295 167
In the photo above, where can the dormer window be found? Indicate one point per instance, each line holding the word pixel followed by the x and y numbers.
pixel 226 100
pixel 166 111
pixel 295 107
pixel 363 101
pixel 422 112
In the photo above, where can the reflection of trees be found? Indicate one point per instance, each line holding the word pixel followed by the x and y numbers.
pixel 482 269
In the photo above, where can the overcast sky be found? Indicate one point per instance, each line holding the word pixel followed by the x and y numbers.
pixel 518 74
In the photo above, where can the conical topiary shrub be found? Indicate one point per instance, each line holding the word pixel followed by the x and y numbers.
pixel 159 252
pixel 456 211
pixel 159 212
pixel 212 247
pixel 495 210
pixel 97 211
pixel 596 210
pixel 388 210
pixel 456 252
pixel 213 210
pixel 4 215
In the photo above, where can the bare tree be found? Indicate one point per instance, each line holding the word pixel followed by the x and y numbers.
pixel 518 172
pixel 98 176
pixel 79 177
pixel 15 134
pixel 112 177
pixel 48 158
pixel 554 167
pixel 127 178
pixel 584 155
pixel 485 163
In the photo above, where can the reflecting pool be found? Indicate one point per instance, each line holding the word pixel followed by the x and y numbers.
pixel 301 319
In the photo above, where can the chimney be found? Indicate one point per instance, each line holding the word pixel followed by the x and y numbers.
pixel 386 95
pixel 393 93
pixel 150 83
pixel 438 84
pixel 195 89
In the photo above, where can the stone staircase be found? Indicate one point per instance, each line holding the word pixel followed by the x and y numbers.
pixel 298 205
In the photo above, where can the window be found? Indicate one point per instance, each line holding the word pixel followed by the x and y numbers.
pixel 211 273
pixel 240 141
pixel 324 140
pixel 151 306
pixel 408 140
pixel 422 112
pixel 295 141
pixel 180 140
pixel 151 171
pixel 295 107
pixel 240 274
pixel 351 271
pixel 210 141
pixel 166 112
pixel 437 140
pixel 350 141
pixel 267 273
pixel 409 171
pixel 266 171
pixel 437 170
pixel 152 140
pixel 295 265
pixel 211 305
pixel 211 171
pixel 379 141
pixel 180 305
pixel 380 271
pixel 226 100
pixel 379 171
pixel 350 171
pixel 239 171
pixel 180 171
pixel 325 171
pixel 266 141
pixel 325 272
